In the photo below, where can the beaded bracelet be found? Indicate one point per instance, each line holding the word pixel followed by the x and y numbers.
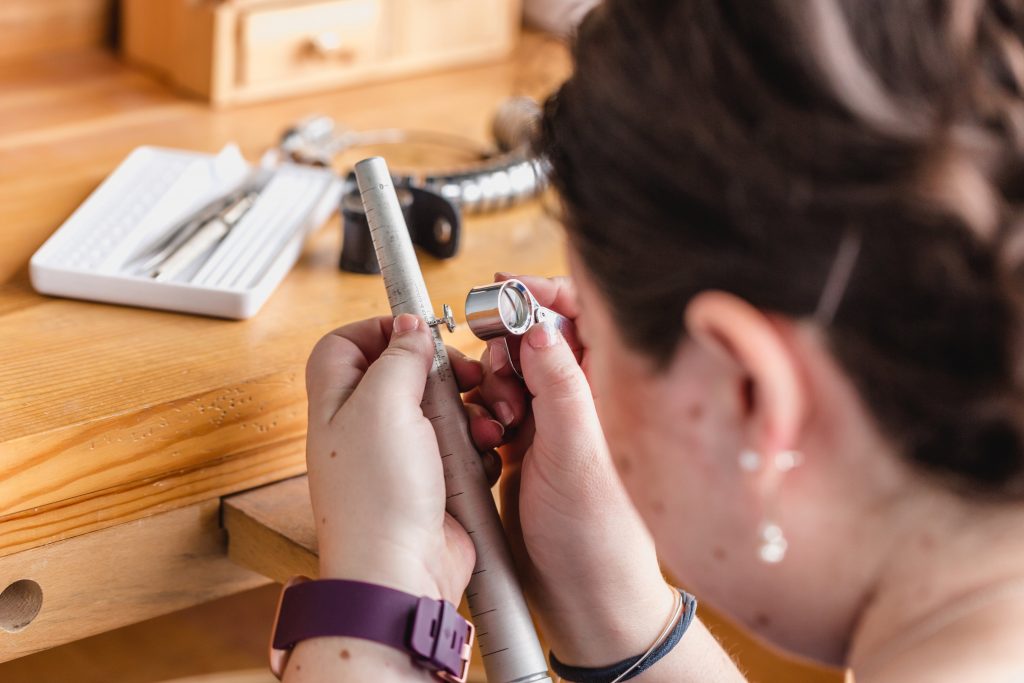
pixel 682 616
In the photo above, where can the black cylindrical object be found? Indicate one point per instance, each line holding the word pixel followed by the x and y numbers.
pixel 357 254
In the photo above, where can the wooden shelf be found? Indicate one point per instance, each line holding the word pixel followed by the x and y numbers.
pixel 271 530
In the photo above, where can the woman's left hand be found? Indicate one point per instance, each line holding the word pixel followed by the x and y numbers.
pixel 375 472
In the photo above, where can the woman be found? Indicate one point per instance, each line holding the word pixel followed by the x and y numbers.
pixel 794 243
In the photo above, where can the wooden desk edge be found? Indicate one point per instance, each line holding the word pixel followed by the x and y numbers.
pixel 119 576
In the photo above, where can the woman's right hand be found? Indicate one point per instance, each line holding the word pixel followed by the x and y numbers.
pixel 588 561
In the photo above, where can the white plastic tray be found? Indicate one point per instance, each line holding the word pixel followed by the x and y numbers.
pixel 88 257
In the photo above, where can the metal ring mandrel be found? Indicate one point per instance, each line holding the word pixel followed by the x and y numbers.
pixel 508 638
pixel 357 254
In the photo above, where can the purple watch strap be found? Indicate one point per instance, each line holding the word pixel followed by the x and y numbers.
pixel 430 630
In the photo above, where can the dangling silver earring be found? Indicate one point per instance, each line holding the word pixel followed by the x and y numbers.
pixel 773 543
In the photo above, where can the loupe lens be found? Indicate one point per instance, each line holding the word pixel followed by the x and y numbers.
pixel 500 309
pixel 514 308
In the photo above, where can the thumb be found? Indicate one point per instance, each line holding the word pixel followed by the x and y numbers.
pixel 569 442
pixel 562 399
pixel 401 370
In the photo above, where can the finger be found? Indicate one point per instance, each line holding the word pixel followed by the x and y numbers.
pixel 498 358
pixel 485 430
pixel 567 328
pixel 562 402
pixel 513 345
pixel 502 392
pixel 492 466
pixel 514 449
pixel 556 293
pixel 397 378
pixel 339 361
pixel 458 560
pixel 468 371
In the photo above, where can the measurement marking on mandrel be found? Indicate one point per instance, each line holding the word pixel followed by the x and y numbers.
pixel 514 652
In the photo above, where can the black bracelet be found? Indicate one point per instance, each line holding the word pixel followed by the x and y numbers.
pixel 607 674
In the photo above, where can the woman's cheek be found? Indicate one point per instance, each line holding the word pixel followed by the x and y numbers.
pixel 603 391
pixel 617 401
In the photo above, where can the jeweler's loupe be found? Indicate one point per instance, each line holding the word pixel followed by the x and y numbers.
pixel 505 310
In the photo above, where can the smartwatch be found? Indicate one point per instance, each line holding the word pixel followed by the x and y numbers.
pixel 431 631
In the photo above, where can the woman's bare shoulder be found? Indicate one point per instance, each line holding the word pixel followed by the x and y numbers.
pixel 985 648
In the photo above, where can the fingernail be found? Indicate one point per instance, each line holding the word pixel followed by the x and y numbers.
pixel 504 412
pixel 544 335
pixel 502 275
pixel 498 356
pixel 406 323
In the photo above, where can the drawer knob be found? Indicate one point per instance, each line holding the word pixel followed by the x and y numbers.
pixel 20 602
pixel 330 44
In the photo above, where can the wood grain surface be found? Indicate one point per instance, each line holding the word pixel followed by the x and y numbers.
pixel 36 27
pixel 108 413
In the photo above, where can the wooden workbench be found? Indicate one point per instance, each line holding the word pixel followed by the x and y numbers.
pixel 121 428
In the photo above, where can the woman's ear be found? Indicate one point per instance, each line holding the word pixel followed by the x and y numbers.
pixel 772 394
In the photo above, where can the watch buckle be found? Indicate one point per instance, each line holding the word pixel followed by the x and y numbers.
pixel 279 657
pixel 442 639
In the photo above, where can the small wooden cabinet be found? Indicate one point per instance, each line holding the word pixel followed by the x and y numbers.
pixel 234 51
pixel 308 43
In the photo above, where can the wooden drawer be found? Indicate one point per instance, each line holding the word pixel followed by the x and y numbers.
pixel 235 51
pixel 436 27
pixel 307 42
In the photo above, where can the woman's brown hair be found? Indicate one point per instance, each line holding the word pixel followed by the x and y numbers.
pixel 723 144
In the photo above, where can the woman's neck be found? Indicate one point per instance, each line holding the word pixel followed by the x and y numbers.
pixel 953 581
